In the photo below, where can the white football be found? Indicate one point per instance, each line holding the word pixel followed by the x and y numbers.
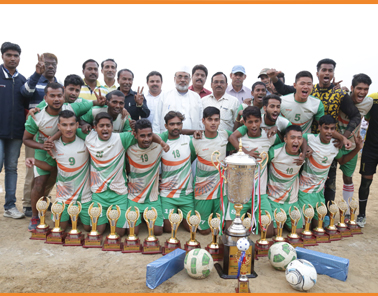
pixel 198 263
pixel 242 244
pixel 301 275
pixel 281 254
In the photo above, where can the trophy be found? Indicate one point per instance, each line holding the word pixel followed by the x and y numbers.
pixel 151 244
pixel 42 230
pixel 173 243
pixel 132 242
pixel 240 174
pixel 112 241
pixel 331 230
pixel 280 218
pixel 247 222
pixel 94 238
pixel 319 232
pixel 352 225
pixel 308 238
pixel 74 236
pixel 193 222
pixel 57 234
pixel 243 262
pixel 293 238
pixel 341 226
pixel 213 248
pixel 263 245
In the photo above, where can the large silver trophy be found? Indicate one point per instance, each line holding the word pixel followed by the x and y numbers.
pixel 240 172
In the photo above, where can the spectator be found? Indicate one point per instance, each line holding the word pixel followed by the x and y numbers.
pixel 237 89
pixel 199 73
pixel 153 97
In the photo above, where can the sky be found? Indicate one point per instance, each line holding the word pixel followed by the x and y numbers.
pixel 143 38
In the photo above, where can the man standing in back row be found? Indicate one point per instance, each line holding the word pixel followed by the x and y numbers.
pixel 237 89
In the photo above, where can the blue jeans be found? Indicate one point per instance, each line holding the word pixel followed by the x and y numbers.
pixel 9 153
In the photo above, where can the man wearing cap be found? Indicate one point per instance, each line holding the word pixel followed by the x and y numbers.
pixel 236 88
pixel 180 99
pixel 265 79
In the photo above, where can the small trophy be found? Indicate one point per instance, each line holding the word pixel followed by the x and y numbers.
pixel 74 236
pixel 112 241
pixel 293 238
pixel 280 218
pixel 193 222
pixel 341 226
pixel 173 243
pixel 308 238
pixel 243 261
pixel 94 238
pixel 151 244
pixel 57 234
pixel 263 245
pixel 247 222
pixel 132 242
pixel 319 232
pixel 332 231
pixel 352 225
pixel 214 248
pixel 42 230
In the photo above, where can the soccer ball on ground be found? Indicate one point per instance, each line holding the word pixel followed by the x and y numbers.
pixel 198 263
pixel 301 275
pixel 281 254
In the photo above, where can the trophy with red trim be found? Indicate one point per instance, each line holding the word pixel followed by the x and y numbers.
pixel 57 234
pixel 42 230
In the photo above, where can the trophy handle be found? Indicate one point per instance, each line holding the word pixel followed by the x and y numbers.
pixel 209 219
pixel 263 156
pixel 187 217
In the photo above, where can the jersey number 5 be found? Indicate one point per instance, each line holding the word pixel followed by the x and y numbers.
pixel 297 117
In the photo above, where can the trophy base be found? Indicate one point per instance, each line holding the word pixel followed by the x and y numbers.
pixel 56 238
pixel 170 247
pixel 279 240
pixel 40 234
pixel 295 242
pixel 225 276
pixel 243 287
pixel 309 240
pixel 93 241
pixel 188 248
pixel 132 246
pixel 73 240
pixel 262 249
pixel 151 247
pixel 344 231
pixel 334 234
pixel 110 244
pixel 354 229
pixel 321 237
pixel 217 254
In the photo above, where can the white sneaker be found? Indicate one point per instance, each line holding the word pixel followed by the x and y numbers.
pixel 361 221
pixel 13 213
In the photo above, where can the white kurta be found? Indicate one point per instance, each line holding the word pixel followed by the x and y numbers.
pixel 152 104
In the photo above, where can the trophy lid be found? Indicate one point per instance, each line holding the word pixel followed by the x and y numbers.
pixel 240 158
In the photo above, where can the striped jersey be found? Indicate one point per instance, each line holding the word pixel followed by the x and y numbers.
pixel 242 106
pixel 207 179
pixel 302 114
pixel 72 161
pixel 283 181
pixel 263 144
pixel 282 123
pixel 316 167
pixel 87 93
pixel 177 179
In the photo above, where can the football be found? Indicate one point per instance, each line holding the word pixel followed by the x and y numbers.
pixel 301 275
pixel 281 254
pixel 198 263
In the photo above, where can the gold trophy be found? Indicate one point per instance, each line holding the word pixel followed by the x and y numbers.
pixel 74 236
pixel 308 238
pixel 94 238
pixel 293 238
pixel 280 218
pixel 319 232
pixel 342 226
pixel 352 225
pixel 151 244
pixel 214 248
pixel 193 222
pixel 132 242
pixel 332 231
pixel 247 222
pixel 113 240
pixel 173 243
pixel 57 234
pixel 42 230
pixel 263 245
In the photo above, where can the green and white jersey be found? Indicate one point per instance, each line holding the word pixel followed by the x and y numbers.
pixel 207 180
pixel 302 114
pixel 177 179
pixel 282 123
pixel 46 125
pixel 119 125
pixel 316 167
pixel 108 161
pixel 242 106
pixel 144 172
pixel 72 161
pixel 43 103
pixel 283 181
pixel 263 144
pixel 364 108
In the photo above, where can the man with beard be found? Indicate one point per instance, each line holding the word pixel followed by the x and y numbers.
pixel 109 70
pixel 272 117
pixel 153 96
pixel 236 88
pixel 91 84
pixel 199 73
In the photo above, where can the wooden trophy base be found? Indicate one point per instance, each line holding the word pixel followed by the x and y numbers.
pixel 40 233
pixel 295 242
pixel 217 254
pixel 321 237
pixel 132 246
pixel 56 238
pixel 93 241
pixel 243 287
pixel 344 231
pixel 309 240
pixel 169 247
pixel 188 248
pixel 354 229
pixel 111 244
pixel 151 247
pixel 72 240
pixel 262 249
pixel 334 234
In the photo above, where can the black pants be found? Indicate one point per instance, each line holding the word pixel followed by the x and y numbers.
pixel 330 184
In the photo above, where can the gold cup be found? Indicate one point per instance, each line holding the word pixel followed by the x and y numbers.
pixel 308 215
pixel 265 222
pixel 113 241
pixel 353 205
pixel 214 223
pixel 132 242
pixel 74 211
pixel 151 243
pixel 247 221
pixel 295 216
pixel 42 206
pixel 173 243
pixel 193 222
pixel 280 218
pixel 343 207
pixel 322 212
pixel 333 209
pixel 57 210
pixel 93 239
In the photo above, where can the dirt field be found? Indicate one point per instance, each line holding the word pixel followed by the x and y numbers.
pixel 32 266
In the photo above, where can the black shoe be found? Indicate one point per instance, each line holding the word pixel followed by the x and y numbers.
pixel 28 211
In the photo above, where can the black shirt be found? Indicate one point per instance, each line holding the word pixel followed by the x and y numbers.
pixel 136 112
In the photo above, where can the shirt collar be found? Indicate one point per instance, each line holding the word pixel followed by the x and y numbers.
pixel 242 89
pixel 98 84
pixel 7 74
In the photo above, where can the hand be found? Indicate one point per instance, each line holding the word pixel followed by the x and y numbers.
pixel 40 67
pixel 253 153
pixel 300 160
pixel 309 151
pixel 165 146
pixel 139 97
pixel 272 74
pixel 48 144
pixel 125 113
pixel 338 144
pixel 272 131
pixel 30 162
pixel 32 112
pixel 86 128
pixel 132 124
pixel 197 135
pixel 336 84
pixel 359 141
pixel 347 144
pixel 101 100
pixel 344 88
pixel 248 102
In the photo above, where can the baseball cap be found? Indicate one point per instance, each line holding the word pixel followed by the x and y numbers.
pixel 237 69
pixel 263 72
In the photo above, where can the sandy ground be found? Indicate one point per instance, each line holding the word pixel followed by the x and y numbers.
pixel 32 266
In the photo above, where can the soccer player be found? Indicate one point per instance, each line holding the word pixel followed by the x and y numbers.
pixel 316 167
pixel 71 158
pixel 207 180
pixel 258 93
pixel 272 121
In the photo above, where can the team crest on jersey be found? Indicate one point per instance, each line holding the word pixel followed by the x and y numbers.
pixel 81 151
pixel 184 144
pixel 288 109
